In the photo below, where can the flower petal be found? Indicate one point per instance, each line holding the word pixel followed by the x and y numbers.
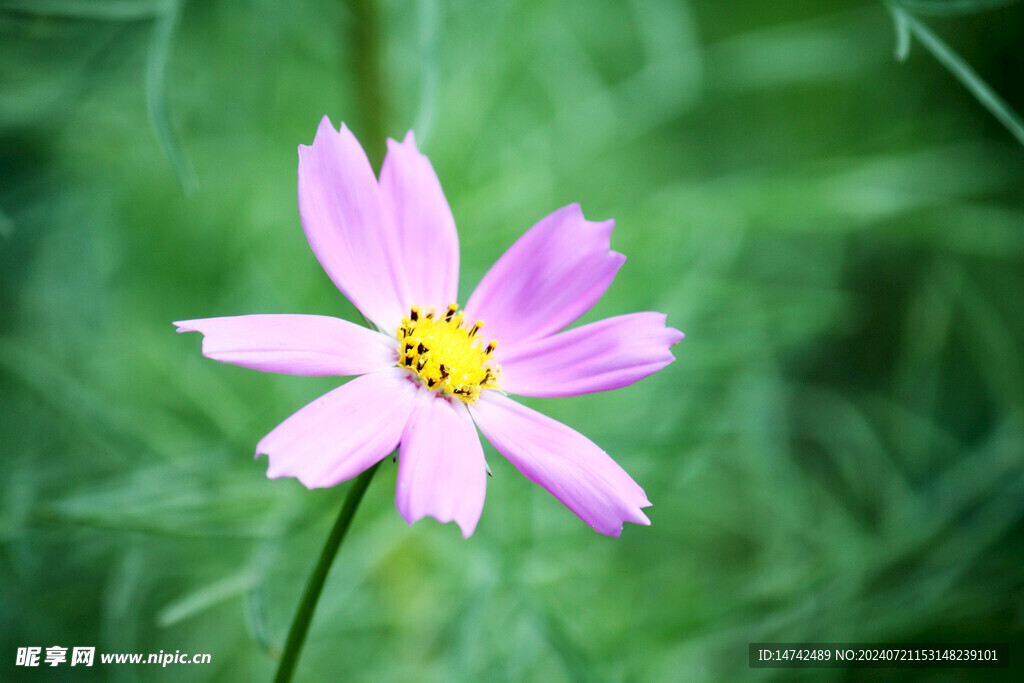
pixel 427 240
pixel 294 344
pixel 348 229
pixel 441 469
pixel 566 463
pixel 343 432
pixel 547 279
pixel 605 355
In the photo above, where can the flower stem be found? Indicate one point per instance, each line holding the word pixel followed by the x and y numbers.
pixel 304 614
pixel 369 72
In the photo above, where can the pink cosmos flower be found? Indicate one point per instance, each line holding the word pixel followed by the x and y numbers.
pixel 430 371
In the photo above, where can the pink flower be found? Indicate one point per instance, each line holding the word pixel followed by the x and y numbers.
pixel 430 370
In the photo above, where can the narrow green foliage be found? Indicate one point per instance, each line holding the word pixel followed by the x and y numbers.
pixel 907 23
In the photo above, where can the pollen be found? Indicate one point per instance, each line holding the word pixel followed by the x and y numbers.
pixel 447 356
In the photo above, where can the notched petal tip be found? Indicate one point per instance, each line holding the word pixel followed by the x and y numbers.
pixel 672 336
pixel 407 146
pixel 635 516
pixel 324 129
pixel 603 227
pixel 641 517
pixel 466 528
pixel 326 125
pixel 278 473
pixel 642 520
pixel 574 208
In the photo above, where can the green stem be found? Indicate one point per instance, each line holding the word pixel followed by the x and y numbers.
pixel 369 72
pixel 304 614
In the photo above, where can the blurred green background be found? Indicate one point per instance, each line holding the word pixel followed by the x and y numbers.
pixel 837 453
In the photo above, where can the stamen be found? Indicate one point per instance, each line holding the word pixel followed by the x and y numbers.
pixel 446 356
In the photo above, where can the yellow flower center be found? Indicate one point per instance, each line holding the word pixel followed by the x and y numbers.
pixel 447 357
